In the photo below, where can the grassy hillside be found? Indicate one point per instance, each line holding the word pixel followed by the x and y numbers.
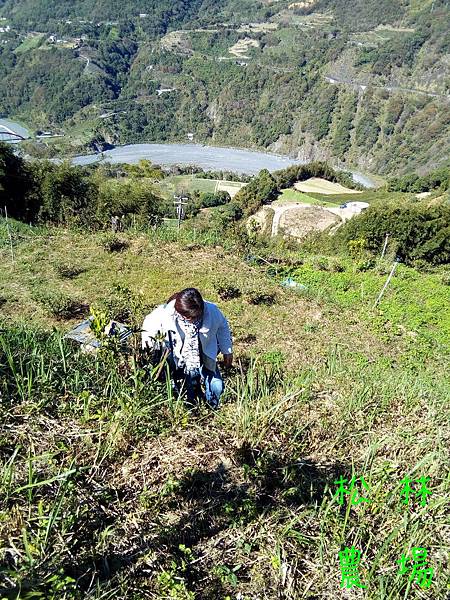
pixel 110 488
pixel 360 82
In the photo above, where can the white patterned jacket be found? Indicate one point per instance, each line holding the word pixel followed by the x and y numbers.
pixel 214 334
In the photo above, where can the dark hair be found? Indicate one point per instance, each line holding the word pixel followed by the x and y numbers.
pixel 189 303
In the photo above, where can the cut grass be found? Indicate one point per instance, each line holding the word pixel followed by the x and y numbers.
pixel 322 186
pixel 189 184
pixel 293 195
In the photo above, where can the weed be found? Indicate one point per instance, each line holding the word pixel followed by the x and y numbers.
pixel 326 263
pixel 274 357
pixel 60 305
pixel 226 290
pixel 226 575
pixel 69 270
pixel 113 243
pixel 111 489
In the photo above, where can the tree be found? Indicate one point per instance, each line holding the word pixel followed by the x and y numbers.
pixel 68 195
pixel 263 189
pixel 16 186
pixel 419 231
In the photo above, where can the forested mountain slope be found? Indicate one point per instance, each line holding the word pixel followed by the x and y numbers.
pixel 364 83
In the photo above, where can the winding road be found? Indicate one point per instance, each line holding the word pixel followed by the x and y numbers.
pixel 335 79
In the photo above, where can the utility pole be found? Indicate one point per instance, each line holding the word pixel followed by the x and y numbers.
pixel 180 202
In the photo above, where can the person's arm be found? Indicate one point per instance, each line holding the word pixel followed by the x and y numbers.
pixel 225 341
pixel 151 327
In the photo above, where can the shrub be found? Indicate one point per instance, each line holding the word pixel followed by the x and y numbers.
pixel 254 297
pixel 124 305
pixel 419 231
pixel 60 305
pixel 113 243
pixel 68 271
pixel 356 247
pixel 445 279
pixel 365 265
pixel 335 265
pixel 226 290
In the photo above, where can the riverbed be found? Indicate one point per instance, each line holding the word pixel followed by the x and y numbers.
pixel 6 124
pixel 207 157
pixel 211 158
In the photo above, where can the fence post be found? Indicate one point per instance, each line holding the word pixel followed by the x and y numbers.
pixel 387 282
pixel 385 246
pixel 9 235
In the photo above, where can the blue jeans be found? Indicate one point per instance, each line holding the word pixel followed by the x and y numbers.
pixel 211 381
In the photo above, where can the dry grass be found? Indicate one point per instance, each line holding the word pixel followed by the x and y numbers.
pixel 241 48
pixel 316 185
pixel 232 187
pixel 109 481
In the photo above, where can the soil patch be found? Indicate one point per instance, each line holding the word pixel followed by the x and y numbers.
pixel 241 47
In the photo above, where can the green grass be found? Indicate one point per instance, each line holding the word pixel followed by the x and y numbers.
pixel 292 195
pixel 30 43
pixel 366 196
pixel 189 184
pixel 185 183
pixel 111 488
pixel 415 306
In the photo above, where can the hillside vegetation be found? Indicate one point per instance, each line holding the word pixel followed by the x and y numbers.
pixel 111 488
pixel 365 83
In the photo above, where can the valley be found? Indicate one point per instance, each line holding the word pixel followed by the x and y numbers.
pixel 296 79
pixel 268 182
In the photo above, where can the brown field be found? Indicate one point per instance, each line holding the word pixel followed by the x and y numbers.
pixel 232 187
pixel 240 48
pixel 315 185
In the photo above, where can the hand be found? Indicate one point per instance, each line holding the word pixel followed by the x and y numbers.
pixel 227 360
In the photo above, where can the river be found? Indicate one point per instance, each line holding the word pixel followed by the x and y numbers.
pixel 213 158
pixel 208 157
pixel 6 124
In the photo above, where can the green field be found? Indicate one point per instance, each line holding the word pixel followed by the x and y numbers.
pixel 188 184
pixel 185 183
pixel 31 42
pixel 293 195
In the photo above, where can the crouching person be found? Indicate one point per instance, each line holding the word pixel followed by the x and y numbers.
pixel 194 332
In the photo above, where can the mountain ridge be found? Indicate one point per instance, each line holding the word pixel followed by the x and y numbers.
pixel 358 83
